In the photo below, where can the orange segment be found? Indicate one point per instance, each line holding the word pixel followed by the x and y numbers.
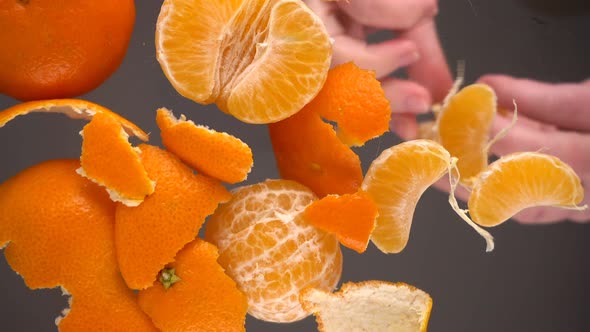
pixel 463 127
pixel 203 299
pixel 109 160
pixel 370 306
pixel 522 180
pixel 73 108
pixel 149 236
pixel 308 151
pixel 350 217
pixel 395 181
pixel 259 60
pixel 216 154
pixel 270 251
pixel 60 228
pixel 353 98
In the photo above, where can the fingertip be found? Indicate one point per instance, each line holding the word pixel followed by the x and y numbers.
pixel 404 125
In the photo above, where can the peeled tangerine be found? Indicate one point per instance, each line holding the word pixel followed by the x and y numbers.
pixel 270 251
pixel 522 180
pixel 259 60
pixel 375 306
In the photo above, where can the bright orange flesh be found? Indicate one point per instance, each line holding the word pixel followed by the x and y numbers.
pixel 74 108
pixel 519 181
pixel 350 217
pixel 59 49
pixel 109 160
pixel 464 128
pixel 205 298
pixel 395 181
pixel 259 60
pixel 149 236
pixel 216 154
pixel 59 231
pixel 353 98
pixel 270 251
pixel 308 151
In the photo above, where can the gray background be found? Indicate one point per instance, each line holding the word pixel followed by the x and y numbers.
pixel 537 279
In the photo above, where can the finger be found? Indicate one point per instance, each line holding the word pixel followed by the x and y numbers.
pixel 431 70
pixel 388 14
pixel 461 194
pixel 404 125
pixel 571 147
pixel 565 104
pixel 544 215
pixel 406 96
pixel 384 58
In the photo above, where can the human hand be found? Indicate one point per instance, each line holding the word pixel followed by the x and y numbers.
pixel 416 47
pixel 552 118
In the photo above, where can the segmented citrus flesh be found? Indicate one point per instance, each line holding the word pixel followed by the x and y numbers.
pixel 522 180
pixel 213 153
pixel 377 306
pixel 270 251
pixel 396 180
pixel 308 151
pixel 73 108
pixel 463 128
pixel 58 231
pixel 259 60
pixel 350 217
pixel 148 236
pixel 109 160
pixel 203 298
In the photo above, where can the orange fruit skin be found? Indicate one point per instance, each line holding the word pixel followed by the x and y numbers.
pixel 205 298
pixel 61 232
pixel 270 251
pixel 350 217
pixel 353 98
pixel 148 236
pixel 61 48
pixel 308 151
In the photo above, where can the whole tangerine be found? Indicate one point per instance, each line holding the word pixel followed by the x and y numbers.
pixel 58 49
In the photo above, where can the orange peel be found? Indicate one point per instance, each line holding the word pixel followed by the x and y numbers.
pixel 148 236
pixel 213 153
pixel 203 298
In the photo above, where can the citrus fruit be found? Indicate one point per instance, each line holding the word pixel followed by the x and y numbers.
pixel 266 246
pixel 522 180
pixel 308 151
pixel 58 231
pixel 73 108
pixel 61 49
pixel 463 128
pixel 109 160
pixel 216 154
pixel 350 217
pixel 203 298
pixel 148 236
pixel 258 60
pixel 354 99
pixel 376 306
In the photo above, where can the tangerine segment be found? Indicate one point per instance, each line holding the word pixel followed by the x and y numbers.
pixel 270 251
pixel 203 299
pixel 522 180
pixel 108 159
pixel 148 236
pixel 308 151
pixel 377 306
pixel 73 108
pixel 60 228
pixel 216 154
pixel 395 181
pixel 464 128
pixel 350 217
pixel 259 60
pixel 353 98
